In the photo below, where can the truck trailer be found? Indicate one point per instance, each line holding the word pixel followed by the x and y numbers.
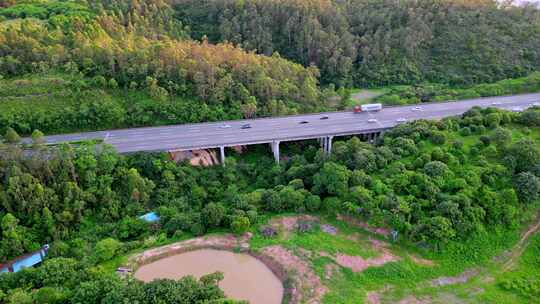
pixel 371 107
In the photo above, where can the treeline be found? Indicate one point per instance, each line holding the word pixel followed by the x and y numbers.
pixel 66 280
pixel 378 43
pixel 430 92
pixel 131 50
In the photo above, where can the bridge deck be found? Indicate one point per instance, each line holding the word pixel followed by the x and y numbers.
pixel 287 128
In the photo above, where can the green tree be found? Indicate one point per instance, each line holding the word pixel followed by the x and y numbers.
pixel 13 238
pixel 527 187
pixel 11 136
pixel 213 214
pixel 38 138
pixel 106 249
pixel 240 224
pixel 332 179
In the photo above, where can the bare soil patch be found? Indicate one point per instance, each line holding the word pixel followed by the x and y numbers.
pixel 358 223
pixel 462 278
pixel 373 297
pixel 288 224
pixel 307 287
pixel 421 261
pixel 517 251
pixel 357 264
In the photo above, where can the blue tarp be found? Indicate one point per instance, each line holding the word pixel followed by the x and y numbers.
pixel 150 217
pixel 28 261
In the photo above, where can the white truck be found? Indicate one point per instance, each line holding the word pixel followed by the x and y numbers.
pixel 371 107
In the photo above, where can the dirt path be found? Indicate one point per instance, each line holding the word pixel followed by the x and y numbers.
pixel 510 259
pixel 520 247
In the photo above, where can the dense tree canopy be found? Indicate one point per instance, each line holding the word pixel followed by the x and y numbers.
pixel 373 42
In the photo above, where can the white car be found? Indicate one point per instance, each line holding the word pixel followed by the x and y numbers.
pixel 496 103
pixel 401 120
pixel 224 126
pixel 517 109
pixel 417 108
pixel 536 104
pixel 372 120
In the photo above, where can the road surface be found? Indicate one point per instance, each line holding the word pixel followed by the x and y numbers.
pixel 287 128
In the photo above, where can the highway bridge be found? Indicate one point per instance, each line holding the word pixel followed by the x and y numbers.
pixel 323 126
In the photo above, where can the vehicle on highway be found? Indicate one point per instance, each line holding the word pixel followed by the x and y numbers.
pixel 246 126
pixel 372 120
pixel 401 120
pixel 371 107
pixel 324 117
pixel 535 104
pixel 517 109
pixel 303 122
pixel 417 108
pixel 496 103
pixel 225 126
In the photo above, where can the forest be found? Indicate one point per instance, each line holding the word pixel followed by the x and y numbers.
pixel 433 182
pixel 458 190
pixel 376 43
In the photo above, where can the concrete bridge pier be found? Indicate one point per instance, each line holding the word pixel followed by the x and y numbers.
pixel 326 144
pixel 222 155
pixel 275 150
pixel 329 144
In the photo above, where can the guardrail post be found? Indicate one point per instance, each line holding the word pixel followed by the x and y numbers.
pixel 222 155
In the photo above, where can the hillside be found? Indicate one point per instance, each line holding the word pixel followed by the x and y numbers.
pixel 137 49
pixel 377 43
pixel 440 211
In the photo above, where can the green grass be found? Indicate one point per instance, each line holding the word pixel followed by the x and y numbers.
pixel 405 276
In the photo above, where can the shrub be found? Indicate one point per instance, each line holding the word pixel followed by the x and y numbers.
pixel 313 203
pixel 435 168
pixel 106 249
pixel 466 131
pixel 530 118
pixel 11 136
pixel 240 224
pixel 527 187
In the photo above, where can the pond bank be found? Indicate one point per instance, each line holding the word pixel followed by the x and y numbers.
pixel 226 242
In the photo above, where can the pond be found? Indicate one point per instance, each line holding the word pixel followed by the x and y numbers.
pixel 246 278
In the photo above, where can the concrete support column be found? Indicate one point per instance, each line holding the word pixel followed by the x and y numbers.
pixel 275 150
pixel 222 155
pixel 329 145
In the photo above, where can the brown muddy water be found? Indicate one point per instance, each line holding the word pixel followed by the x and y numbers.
pixel 246 278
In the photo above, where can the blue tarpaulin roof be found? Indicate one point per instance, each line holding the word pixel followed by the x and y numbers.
pixel 150 217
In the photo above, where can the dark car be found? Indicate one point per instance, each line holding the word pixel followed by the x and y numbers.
pixel 246 126
pixel 325 117
pixel 304 122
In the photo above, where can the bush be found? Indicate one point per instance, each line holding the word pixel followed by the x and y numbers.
pixel 240 225
pixel 438 138
pixel 530 118
pixel 527 187
pixel 106 249
pixel 313 203
pixel 486 141
pixel 466 131
pixel 435 168
pixel 11 136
